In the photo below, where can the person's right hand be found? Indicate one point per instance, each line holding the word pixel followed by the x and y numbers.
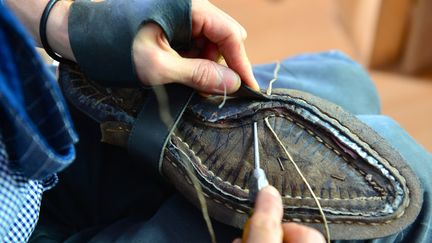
pixel 266 226
pixel 156 62
pixel 125 43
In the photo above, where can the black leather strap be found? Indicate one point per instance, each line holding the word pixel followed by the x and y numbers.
pixel 150 133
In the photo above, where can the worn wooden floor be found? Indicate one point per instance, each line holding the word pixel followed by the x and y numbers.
pixel 281 28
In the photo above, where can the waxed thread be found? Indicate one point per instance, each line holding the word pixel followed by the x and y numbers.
pixel 269 90
pixel 303 178
pixel 164 112
pixel 220 59
pixel 200 195
pixel 224 97
pixel 275 77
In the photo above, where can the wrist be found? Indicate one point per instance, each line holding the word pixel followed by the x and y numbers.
pixel 57 30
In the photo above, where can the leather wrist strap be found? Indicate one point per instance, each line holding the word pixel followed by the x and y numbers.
pixel 150 133
pixel 43 35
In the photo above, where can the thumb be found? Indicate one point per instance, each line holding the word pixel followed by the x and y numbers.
pixel 205 75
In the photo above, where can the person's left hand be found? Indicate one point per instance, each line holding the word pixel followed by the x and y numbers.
pixel 213 32
pixel 266 223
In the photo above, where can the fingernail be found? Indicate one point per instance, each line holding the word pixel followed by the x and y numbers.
pixel 257 87
pixel 228 80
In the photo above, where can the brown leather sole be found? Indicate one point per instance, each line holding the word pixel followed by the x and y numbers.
pixel 364 186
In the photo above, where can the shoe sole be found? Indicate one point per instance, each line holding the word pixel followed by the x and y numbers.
pixel 364 186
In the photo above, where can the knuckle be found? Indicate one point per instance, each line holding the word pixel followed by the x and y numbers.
pixel 232 34
pixel 202 74
pixel 237 36
pixel 243 33
pixel 312 234
pixel 267 199
pixel 261 221
pixel 151 67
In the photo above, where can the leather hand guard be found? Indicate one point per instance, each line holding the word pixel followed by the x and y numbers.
pixel 101 34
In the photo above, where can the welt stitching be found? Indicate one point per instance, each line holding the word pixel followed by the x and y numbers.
pixel 292 219
pixel 300 220
pixel 320 140
pixel 246 190
pixel 355 135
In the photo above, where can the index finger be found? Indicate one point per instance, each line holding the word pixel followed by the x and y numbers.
pixel 227 34
pixel 265 224
pixel 234 52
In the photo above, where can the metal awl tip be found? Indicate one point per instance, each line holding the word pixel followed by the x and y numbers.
pixel 256 147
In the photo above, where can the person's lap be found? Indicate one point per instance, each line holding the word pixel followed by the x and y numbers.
pixel 336 78
pixel 178 221
pixel 328 75
pixel 331 76
pixel 420 161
